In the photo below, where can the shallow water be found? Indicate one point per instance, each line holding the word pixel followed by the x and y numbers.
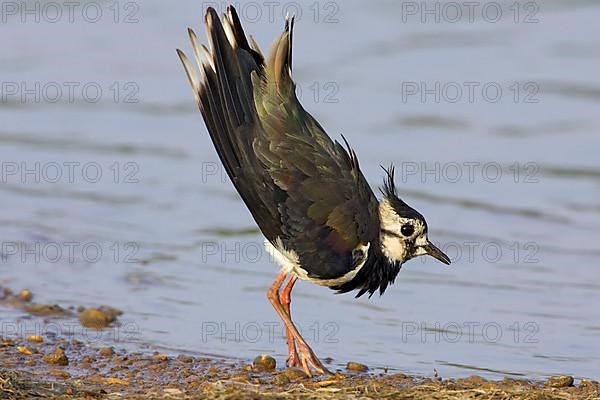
pixel 509 182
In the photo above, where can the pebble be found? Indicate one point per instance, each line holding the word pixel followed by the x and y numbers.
pixel 57 358
pixel 559 381
pixel 24 350
pixel 107 352
pixel 184 358
pixel 247 368
pixel 88 359
pixel 25 295
pixel 358 367
pixel 44 309
pixel 294 374
pixel 35 339
pixel 59 374
pixel 116 381
pixel 85 365
pixel 160 357
pixel 264 363
pixel 95 318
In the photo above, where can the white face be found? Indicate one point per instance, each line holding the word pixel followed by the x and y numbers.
pixel 401 238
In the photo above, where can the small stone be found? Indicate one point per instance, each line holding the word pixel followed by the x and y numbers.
pixel 60 374
pixel 160 357
pixel 358 367
pixel 88 359
pixel 107 352
pixel 35 339
pixel 293 374
pixel 24 350
pixel 247 368
pixel 56 358
pixel 185 359
pixel 264 363
pixel 559 381
pixel 44 309
pixel 116 381
pixel 94 318
pixel 25 295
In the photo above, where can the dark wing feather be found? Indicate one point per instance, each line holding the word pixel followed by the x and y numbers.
pixel 299 185
pixel 226 99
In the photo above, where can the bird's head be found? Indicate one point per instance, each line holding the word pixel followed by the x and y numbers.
pixel 403 232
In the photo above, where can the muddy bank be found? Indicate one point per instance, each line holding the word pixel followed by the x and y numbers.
pixel 54 367
pixel 72 369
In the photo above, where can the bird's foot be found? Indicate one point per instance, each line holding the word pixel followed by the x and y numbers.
pixel 308 359
pixel 293 360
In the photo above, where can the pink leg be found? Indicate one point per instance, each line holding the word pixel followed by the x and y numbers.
pixel 307 356
pixel 285 298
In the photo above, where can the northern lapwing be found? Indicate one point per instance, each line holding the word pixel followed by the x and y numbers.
pixel 321 219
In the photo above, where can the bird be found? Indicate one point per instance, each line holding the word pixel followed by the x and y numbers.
pixel 321 220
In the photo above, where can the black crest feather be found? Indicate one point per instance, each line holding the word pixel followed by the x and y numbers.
pixel 391 194
pixel 389 187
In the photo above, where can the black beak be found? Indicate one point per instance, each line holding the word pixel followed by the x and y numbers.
pixel 436 253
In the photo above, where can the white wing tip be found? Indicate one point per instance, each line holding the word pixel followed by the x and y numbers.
pixel 227 26
pixel 191 74
pixel 203 56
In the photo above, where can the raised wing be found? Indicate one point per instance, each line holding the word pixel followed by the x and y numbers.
pixel 300 186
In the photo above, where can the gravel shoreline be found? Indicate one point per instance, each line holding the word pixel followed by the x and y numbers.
pixel 58 368
pixel 70 369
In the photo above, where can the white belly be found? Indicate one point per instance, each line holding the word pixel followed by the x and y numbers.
pixel 289 262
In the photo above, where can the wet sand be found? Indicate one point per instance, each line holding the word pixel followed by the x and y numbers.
pixel 52 367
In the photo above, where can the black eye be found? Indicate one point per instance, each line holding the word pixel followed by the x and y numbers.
pixel 407 230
